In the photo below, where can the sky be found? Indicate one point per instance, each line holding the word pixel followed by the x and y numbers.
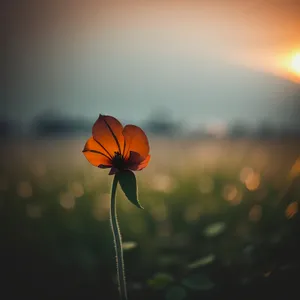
pixel 202 61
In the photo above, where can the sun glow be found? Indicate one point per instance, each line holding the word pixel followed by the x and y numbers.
pixel 295 64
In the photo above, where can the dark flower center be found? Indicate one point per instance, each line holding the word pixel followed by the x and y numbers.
pixel 118 161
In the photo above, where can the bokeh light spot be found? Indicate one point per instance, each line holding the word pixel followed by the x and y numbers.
pixel 206 184
pixel 295 170
pixel 24 189
pixel 232 194
pixel 252 182
pixel 162 183
pixel 292 210
pixel 245 173
pixel 67 200
pixel 255 213
pixel 77 189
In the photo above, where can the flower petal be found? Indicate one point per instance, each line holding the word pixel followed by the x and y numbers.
pixel 113 171
pixel 134 158
pixel 144 163
pixel 107 131
pixel 136 141
pixel 139 166
pixel 95 154
pixel 104 166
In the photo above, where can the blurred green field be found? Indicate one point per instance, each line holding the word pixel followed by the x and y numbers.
pixel 220 219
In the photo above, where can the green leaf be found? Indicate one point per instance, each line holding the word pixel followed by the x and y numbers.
pixel 198 282
pixel 214 229
pixel 176 293
pixel 128 184
pixel 202 261
pixel 129 245
pixel 160 281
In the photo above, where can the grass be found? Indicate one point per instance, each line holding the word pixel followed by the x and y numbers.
pixel 220 220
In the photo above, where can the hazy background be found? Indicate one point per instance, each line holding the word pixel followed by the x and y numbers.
pixel 203 62
pixel 214 86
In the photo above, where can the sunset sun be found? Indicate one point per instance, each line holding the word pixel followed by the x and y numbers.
pixel 295 64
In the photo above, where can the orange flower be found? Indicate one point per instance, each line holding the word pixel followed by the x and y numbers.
pixel 117 147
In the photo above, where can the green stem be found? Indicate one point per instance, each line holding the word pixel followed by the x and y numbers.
pixel 117 241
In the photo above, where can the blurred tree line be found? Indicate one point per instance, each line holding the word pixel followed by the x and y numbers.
pixel 160 123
